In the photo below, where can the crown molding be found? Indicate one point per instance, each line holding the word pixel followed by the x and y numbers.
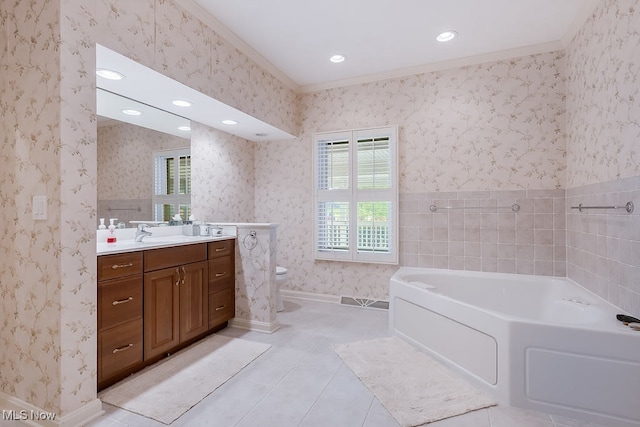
pixel 198 11
pixel 437 66
pixel 579 21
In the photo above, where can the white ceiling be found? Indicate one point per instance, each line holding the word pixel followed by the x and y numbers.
pixel 382 38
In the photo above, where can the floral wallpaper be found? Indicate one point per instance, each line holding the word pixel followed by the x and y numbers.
pixel 255 275
pixel 222 180
pixel 48 147
pixel 30 152
pixel 494 126
pixel 48 266
pixel 488 127
pixel 603 93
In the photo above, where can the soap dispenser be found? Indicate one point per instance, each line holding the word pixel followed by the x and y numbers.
pixel 102 226
pixel 111 238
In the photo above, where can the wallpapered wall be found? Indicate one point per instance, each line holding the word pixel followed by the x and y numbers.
pixel 603 96
pixel 48 147
pixel 494 126
pixel 222 177
pixel 47 267
pixel 469 119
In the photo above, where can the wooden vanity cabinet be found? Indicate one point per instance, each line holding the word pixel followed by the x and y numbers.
pixel 222 302
pixel 120 349
pixel 176 303
pixel 155 301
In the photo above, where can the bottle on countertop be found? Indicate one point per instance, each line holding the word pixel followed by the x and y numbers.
pixel 111 238
pixel 102 226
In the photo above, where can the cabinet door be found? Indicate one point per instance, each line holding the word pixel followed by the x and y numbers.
pixel 161 311
pixel 194 301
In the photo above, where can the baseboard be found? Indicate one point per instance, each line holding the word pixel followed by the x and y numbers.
pixel 310 296
pixel 18 410
pixel 255 325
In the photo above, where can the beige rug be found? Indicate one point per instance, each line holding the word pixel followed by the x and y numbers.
pixel 411 385
pixel 169 388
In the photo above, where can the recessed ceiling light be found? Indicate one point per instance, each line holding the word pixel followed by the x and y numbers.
pixel 337 59
pixel 181 103
pixel 131 112
pixel 109 74
pixel 445 36
pixel 184 128
pixel 229 122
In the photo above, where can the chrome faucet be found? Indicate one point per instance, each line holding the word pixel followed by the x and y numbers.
pixel 141 232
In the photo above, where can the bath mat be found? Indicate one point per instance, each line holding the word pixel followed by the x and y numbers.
pixel 169 388
pixel 411 385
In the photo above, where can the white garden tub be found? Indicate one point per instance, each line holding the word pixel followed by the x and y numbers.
pixel 535 342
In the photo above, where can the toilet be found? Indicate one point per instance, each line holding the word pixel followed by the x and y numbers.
pixel 281 279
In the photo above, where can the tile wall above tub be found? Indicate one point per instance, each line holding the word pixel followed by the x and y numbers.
pixel 482 233
pixel 603 245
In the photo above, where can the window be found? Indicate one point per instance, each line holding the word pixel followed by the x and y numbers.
pixel 356 195
pixel 172 184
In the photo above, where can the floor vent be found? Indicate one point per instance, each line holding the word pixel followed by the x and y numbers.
pixel 365 302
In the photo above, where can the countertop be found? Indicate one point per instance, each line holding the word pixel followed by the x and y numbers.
pixel 161 237
pixel 123 246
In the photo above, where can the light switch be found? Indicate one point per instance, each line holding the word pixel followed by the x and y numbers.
pixel 39 206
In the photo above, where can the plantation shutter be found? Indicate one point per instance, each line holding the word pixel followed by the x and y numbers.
pixel 355 195
pixel 172 184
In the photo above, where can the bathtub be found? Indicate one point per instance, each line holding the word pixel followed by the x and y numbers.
pixel 540 343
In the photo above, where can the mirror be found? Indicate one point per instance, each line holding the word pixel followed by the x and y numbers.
pixel 125 165
pixel 125 175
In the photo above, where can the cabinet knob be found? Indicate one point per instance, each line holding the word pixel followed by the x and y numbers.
pixel 123 348
pixel 221 274
pixel 122 301
pixel 221 307
pixel 220 249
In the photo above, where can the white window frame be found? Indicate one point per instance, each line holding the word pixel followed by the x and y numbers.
pixel 159 181
pixel 352 195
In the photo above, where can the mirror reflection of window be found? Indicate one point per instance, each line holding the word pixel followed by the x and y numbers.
pixel 172 184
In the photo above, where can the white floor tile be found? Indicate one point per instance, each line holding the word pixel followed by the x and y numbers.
pixel 301 381
pixel 344 402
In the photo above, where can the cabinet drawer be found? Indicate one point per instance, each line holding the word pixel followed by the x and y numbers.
pixel 156 259
pixel 119 349
pixel 221 248
pixel 221 273
pixel 119 265
pixel 222 307
pixel 119 301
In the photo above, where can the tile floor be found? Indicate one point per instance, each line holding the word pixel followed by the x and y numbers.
pixel 300 381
